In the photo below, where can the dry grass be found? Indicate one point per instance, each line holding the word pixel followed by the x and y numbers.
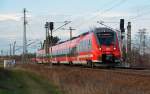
pixel 82 81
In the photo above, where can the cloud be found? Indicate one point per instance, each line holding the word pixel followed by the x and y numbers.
pixel 15 17
pixel 12 16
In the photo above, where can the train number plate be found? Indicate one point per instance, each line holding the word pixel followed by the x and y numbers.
pixel 107 48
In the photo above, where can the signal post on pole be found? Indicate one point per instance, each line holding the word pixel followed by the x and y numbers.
pixel 123 44
pixel 51 27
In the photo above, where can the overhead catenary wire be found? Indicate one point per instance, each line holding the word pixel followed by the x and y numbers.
pixel 145 13
pixel 140 15
pixel 30 44
pixel 105 11
pixel 66 22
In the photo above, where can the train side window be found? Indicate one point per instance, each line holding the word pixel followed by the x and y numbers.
pixel 79 46
pixel 62 51
pixel 89 44
pixel 67 50
pixel 57 52
pixel 85 45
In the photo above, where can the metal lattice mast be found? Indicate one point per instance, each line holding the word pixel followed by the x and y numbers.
pixel 129 42
pixel 142 45
pixel 46 40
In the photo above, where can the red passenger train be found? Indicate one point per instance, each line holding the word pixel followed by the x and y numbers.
pixel 101 46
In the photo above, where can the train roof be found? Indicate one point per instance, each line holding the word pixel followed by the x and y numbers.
pixel 83 34
pixel 101 29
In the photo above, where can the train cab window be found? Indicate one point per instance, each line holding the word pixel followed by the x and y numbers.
pixel 106 38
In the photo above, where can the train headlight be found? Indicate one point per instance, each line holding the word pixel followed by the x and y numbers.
pixel 100 48
pixel 114 48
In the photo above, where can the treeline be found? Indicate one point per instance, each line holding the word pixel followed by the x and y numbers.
pixel 18 58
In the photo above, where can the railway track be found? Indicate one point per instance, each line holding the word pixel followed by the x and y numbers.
pixel 133 71
pixel 125 71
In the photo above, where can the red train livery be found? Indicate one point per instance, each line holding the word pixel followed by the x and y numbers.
pixel 100 46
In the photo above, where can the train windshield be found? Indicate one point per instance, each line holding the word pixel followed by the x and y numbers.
pixel 106 38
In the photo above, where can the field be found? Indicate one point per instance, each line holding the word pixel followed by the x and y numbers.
pixel 16 81
pixel 1 64
pixel 74 80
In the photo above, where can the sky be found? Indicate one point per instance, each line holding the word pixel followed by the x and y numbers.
pixel 84 15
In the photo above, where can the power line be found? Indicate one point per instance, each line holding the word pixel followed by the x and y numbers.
pixel 114 6
pixel 29 44
pixel 66 22
pixel 140 15
pixel 106 10
pixel 70 29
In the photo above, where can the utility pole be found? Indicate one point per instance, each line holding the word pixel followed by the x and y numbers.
pixel 70 28
pixel 10 50
pixel 7 53
pixel 14 46
pixel 70 31
pixel 1 52
pixel 41 45
pixel 129 42
pixel 24 38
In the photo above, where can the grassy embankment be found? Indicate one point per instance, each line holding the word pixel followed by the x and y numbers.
pixel 23 82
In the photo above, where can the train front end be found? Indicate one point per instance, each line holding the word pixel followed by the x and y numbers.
pixel 108 46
